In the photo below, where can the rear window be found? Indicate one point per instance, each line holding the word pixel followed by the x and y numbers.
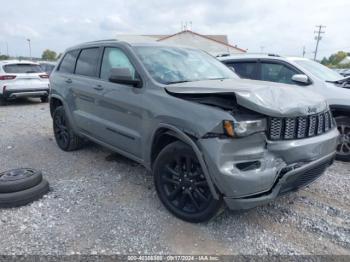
pixel 22 68
pixel 68 63
pixel 87 62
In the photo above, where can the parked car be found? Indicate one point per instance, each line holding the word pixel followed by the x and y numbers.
pixel 306 74
pixel 206 135
pixel 345 72
pixel 22 79
pixel 47 66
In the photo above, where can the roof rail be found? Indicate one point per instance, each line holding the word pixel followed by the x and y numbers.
pixel 222 55
pixel 103 40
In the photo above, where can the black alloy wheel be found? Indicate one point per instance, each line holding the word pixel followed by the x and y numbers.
pixel 64 135
pixel 182 186
pixel 343 148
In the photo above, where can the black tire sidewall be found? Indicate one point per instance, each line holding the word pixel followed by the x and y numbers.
pixel 15 199
pixel 21 184
pixel 340 120
pixel 60 112
pixel 164 156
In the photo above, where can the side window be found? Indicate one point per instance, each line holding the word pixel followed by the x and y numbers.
pixel 68 62
pixel 277 73
pixel 87 62
pixel 114 58
pixel 245 69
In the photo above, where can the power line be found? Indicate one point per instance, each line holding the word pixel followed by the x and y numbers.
pixel 318 37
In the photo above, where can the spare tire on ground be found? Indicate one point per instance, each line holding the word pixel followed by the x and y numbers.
pixel 19 179
pixel 21 186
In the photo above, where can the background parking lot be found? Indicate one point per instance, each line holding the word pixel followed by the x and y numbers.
pixel 103 203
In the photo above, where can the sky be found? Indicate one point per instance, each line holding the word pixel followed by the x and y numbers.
pixel 274 26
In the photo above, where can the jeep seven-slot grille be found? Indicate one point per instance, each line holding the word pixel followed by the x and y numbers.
pixel 299 127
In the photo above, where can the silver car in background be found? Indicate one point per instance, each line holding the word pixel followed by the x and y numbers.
pixel 22 79
pixel 306 74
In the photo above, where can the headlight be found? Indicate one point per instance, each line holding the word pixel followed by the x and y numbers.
pixel 244 128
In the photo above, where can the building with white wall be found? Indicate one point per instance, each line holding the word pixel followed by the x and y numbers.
pixel 213 44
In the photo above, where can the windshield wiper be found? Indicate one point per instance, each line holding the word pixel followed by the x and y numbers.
pixel 340 81
pixel 177 82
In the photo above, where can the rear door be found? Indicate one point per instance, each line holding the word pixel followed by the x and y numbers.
pixel 85 92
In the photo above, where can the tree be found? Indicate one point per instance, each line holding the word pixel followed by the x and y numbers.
pixel 4 57
pixel 334 60
pixel 49 55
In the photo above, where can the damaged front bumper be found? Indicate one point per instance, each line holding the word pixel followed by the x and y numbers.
pixel 252 170
pixel 286 182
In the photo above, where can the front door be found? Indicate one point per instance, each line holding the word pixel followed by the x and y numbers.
pixel 121 106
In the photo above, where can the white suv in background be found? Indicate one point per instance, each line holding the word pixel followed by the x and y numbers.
pixel 306 74
pixel 22 79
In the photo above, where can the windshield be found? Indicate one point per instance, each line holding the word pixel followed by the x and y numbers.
pixel 319 70
pixel 168 65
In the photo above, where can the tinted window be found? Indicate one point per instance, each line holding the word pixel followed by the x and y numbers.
pixel 114 58
pixel 277 73
pixel 22 68
pixel 245 69
pixel 87 62
pixel 68 62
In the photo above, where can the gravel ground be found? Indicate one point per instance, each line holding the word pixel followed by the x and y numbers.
pixel 103 203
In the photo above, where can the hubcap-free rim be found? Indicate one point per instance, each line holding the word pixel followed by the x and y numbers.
pixel 16 174
pixel 61 130
pixel 185 186
pixel 344 141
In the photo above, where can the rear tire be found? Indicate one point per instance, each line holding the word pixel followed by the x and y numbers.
pixel 3 101
pixel 182 186
pixel 65 137
pixel 343 148
pixel 44 99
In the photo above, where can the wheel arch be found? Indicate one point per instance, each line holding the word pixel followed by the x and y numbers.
pixel 340 110
pixel 55 101
pixel 166 134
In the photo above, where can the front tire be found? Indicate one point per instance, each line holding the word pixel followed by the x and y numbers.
pixel 343 148
pixel 66 139
pixel 182 186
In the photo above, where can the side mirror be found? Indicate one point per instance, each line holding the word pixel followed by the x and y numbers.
pixel 123 75
pixel 300 78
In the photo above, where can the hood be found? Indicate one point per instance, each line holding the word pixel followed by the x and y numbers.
pixel 272 99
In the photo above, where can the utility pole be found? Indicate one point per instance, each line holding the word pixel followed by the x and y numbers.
pixel 318 37
pixel 304 51
pixel 30 49
pixel 7 49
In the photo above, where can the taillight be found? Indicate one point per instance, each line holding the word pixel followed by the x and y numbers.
pixel 44 76
pixel 7 77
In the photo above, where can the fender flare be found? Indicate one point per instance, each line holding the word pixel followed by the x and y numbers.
pixel 66 109
pixel 182 136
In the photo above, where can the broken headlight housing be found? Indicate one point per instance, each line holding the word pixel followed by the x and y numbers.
pixel 244 128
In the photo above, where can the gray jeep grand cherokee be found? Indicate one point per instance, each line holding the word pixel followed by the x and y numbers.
pixel 207 136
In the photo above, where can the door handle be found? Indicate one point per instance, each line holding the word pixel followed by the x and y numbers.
pixel 69 81
pixel 98 88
